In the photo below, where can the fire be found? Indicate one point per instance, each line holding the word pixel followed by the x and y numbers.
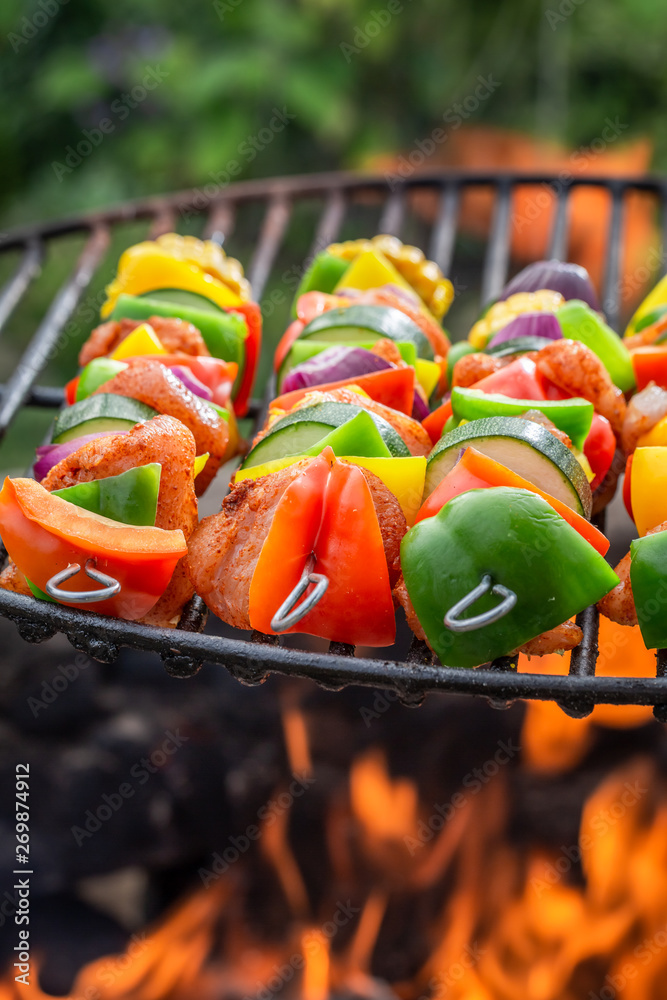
pixel 386 809
pixel 315 982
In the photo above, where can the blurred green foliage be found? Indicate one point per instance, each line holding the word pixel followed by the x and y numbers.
pixel 174 93
pixel 230 62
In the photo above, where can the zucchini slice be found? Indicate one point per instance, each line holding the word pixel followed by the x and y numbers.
pixel 364 324
pixel 523 446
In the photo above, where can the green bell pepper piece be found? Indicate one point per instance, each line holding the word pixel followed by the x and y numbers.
pixel 648 562
pixel 522 543
pixel 96 373
pixel 573 416
pixel 130 497
pixel 358 436
pixel 579 322
pixel 323 275
pixel 41 595
pixel 456 351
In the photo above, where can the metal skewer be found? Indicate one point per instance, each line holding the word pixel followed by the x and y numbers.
pixel 110 589
pixel 456 624
pixel 290 612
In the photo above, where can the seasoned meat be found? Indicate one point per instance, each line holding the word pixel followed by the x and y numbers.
pixel 556 640
pixel 175 335
pixel 472 367
pixel 167 441
pixel 645 410
pixel 619 603
pixel 575 368
pixel 565 636
pixel 157 386
pixel 224 550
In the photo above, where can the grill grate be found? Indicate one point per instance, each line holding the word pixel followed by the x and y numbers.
pixel 250 659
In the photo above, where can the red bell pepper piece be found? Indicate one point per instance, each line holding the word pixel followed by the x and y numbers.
pixel 435 422
pixel 44 534
pixel 518 380
pixel 327 511
pixel 394 387
pixel 480 471
pixel 292 333
pixel 627 482
pixel 600 448
pixel 253 343
pixel 650 365
pixel 458 480
pixel 70 391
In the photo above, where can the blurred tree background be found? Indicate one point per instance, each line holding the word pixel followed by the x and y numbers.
pixel 173 93
pixel 564 65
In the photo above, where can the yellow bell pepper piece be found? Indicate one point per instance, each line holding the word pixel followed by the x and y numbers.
pixel 142 340
pixel 428 374
pixel 404 477
pixel 180 262
pixel 656 297
pixel 200 462
pixel 371 269
pixel 648 488
pixel 424 276
pixel 656 437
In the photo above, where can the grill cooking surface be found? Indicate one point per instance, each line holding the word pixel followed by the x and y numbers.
pixel 251 659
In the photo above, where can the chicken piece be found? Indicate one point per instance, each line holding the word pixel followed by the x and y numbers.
pixel 13 579
pixel 575 368
pixel 644 411
pixel 167 441
pixel 224 550
pixel 157 386
pixel 388 350
pixel 411 431
pixel 472 367
pixel 563 637
pixel 619 604
pixel 556 640
pixel 175 335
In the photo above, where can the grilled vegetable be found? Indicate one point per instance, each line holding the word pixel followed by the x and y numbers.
pixel 130 497
pixel 533 326
pixel 45 534
pixel 570 280
pixel 364 325
pixel 549 568
pixel 648 558
pixel 300 429
pixel 393 387
pixel 323 275
pixel 523 446
pixel 648 488
pixel 105 412
pixel 572 416
pixel 328 513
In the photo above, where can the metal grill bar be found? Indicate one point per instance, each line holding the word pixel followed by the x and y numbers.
pixel 64 304
pixel 498 253
pixel 15 288
pixel 270 239
pixel 251 658
pixel 558 244
pixel 610 295
pixel 444 232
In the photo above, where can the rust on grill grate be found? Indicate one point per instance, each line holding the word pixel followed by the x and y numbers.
pixel 411 672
